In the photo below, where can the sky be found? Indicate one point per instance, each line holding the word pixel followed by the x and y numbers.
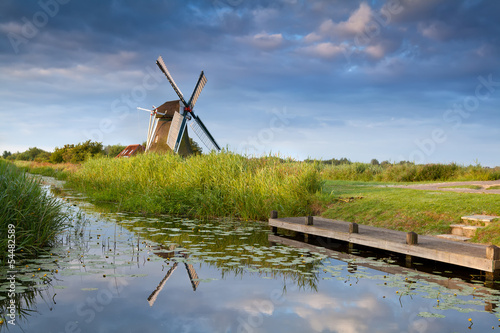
pixel 415 80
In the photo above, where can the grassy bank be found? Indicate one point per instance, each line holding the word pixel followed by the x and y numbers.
pixel 425 212
pixel 213 185
pixel 36 215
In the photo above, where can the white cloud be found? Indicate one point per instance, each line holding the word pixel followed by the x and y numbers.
pixel 354 25
pixel 325 50
pixel 264 41
pixel 376 51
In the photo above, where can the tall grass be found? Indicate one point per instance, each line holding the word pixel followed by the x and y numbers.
pixel 213 185
pixel 37 216
pixel 408 172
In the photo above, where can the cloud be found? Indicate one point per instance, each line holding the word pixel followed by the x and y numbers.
pixel 436 30
pixel 355 24
pixel 266 41
pixel 325 50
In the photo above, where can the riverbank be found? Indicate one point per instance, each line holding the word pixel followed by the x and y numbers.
pixel 30 216
pixel 229 185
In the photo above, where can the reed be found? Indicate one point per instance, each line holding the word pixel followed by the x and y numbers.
pixel 408 172
pixel 203 186
pixel 36 215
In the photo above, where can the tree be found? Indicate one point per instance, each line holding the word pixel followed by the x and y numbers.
pixel 113 150
pixel 6 154
pixel 197 150
pixel 76 154
pixel 374 161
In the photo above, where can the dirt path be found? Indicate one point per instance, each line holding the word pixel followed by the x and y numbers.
pixel 444 186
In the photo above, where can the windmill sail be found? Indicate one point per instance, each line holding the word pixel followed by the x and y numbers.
pixel 154 294
pixel 197 90
pixel 176 131
pixel 163 68
pixel 203 133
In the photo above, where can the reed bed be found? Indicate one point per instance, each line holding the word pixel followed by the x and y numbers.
pixel 37 216
pixel 408 172
pixel 203 186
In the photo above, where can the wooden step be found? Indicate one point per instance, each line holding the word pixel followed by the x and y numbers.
pixel 454 237
pixel 479 219
pixel 464 230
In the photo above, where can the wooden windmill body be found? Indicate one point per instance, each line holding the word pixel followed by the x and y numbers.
pixel 157 141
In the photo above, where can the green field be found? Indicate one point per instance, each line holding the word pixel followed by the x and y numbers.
pixel 425 212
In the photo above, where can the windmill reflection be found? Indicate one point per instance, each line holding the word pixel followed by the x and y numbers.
pixel 193 276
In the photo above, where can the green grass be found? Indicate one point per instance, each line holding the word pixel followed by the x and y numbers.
pixel 496 187
pixel 425 212
pixel 36 215
pixel 204 186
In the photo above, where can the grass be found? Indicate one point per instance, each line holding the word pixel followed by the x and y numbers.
pixel 203 186
pixel 496 187
pixel 425 212
pixel 36 215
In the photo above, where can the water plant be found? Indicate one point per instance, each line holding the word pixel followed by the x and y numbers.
pixel 37 216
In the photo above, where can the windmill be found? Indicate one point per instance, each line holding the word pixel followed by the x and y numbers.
pixel 168 122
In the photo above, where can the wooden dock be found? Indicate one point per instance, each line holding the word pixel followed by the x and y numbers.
pixel 476 256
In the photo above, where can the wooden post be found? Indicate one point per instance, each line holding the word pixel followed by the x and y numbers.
pixel 309 220
pixel 411 238
pixel 492 252
pixel 408 261
pixel 350 248
pixel 274 215
pixel 353 228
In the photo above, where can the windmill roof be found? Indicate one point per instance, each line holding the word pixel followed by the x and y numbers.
pixel 130 150
pixel 169 108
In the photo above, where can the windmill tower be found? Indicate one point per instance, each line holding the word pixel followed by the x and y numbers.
pixel 168 123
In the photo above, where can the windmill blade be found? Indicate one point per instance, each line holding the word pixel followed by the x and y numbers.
pixel 152 133
pixel 154 294
pixel 165 71
pixel 176 131
pixel 202 80
pixel 202 132
pixel 193 276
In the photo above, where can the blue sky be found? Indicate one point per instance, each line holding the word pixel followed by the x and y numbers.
pixel 392 80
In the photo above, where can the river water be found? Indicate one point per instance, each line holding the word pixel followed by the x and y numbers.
pixel 118 272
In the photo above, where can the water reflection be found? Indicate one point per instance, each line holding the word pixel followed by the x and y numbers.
pixel 193 276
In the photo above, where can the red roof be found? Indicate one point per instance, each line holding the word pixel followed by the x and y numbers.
pixel 131 150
